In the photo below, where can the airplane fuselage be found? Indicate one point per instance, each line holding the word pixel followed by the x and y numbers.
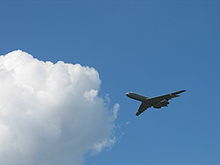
pixel 136 96
pixel 144 99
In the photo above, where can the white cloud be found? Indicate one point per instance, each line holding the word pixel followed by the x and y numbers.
pixel 51 114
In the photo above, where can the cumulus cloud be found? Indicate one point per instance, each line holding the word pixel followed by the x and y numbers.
pixel 51 114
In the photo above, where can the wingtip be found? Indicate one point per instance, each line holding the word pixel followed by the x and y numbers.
pixel 138 113
pixel 181 91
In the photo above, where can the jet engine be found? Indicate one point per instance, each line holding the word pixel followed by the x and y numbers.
pixel 162 103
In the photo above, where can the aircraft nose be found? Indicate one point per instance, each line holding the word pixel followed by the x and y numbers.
pixel 127 94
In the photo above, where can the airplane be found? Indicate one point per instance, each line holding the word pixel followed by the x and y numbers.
pixel 156 102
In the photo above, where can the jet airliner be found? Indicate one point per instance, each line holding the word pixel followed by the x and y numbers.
pixel 156 102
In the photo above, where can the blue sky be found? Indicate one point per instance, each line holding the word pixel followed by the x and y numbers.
pixel 150 47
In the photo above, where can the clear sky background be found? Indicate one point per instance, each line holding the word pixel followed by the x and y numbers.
pixel 151 47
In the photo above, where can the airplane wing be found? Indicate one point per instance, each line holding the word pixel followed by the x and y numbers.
pixel 142 108
pixel 166 97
